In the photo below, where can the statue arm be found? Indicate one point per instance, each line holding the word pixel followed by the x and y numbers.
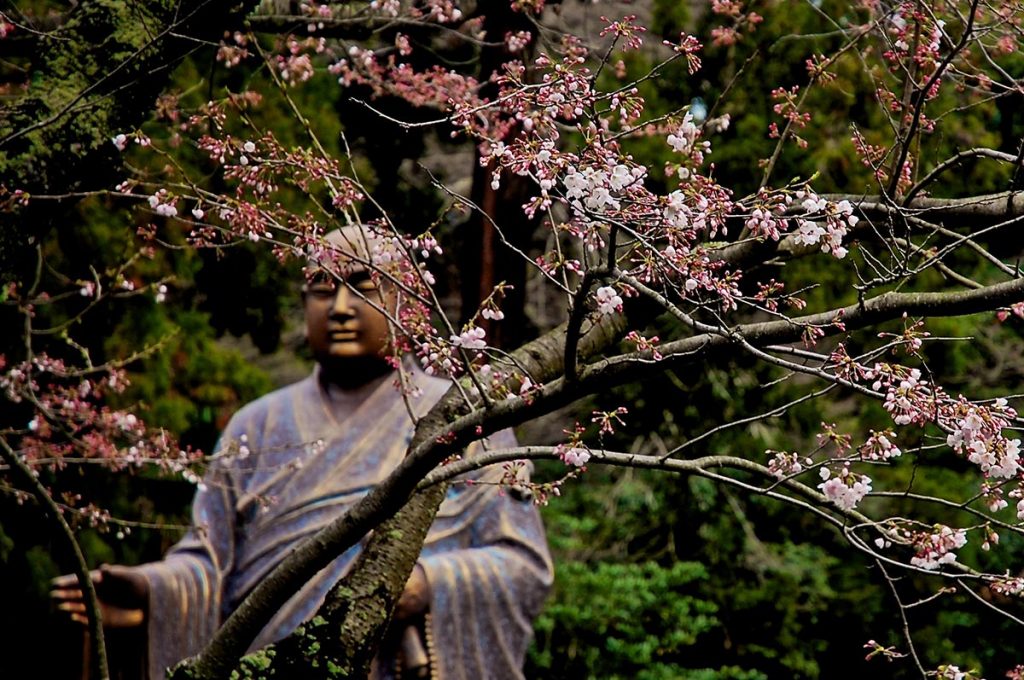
pixel 123 596
pixel 484 597
pixel 177 599
pixel 186 587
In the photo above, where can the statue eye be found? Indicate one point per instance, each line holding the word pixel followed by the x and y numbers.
pixel 321 289
pixel 363 283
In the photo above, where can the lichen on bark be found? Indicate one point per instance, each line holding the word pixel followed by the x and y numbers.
pixel 99 74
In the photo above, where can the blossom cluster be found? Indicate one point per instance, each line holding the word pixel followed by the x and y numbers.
pixel 784 464
pixel 69 418
pixel 845 489
pixel 573 452
pixel 908 398
pixel 976 432
pixel 295 63
pixel 767 219
pixel 935 548
pixel 575 456
pixel 837 217
pixel 684 140
pixel 879 447
pixel 608 301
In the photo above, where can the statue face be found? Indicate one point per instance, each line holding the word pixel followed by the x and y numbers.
pixel 344 320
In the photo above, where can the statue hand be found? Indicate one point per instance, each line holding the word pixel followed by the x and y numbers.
pixel 122 592
pixel 415 599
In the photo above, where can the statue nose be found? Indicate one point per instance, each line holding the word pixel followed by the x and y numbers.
pixel 344 302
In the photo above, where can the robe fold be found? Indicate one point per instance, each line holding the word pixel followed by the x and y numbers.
pixel 298 458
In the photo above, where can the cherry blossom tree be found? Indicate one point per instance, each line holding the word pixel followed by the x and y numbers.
pixel 655 260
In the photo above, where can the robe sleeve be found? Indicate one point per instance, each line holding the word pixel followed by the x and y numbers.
pixel 484 597
pixel 185 588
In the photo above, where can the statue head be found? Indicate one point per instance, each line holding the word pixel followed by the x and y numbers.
pixel 346 325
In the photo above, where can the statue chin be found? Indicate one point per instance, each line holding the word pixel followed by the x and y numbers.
pixel 345 367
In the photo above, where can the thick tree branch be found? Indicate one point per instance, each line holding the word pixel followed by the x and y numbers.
pixel 984 208
pixel 976 210
pixel 609 372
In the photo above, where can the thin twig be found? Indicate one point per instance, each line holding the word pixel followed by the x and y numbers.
pixel 80 567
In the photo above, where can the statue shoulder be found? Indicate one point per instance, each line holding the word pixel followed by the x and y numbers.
pixel 252 416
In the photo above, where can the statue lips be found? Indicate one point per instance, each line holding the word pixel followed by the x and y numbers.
pixel 343 334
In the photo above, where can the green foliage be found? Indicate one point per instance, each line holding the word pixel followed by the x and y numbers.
pixel 621 621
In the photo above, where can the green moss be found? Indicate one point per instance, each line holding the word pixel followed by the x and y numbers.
pixel 256 664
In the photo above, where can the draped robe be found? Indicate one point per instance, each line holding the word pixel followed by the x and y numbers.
pixel 298 458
